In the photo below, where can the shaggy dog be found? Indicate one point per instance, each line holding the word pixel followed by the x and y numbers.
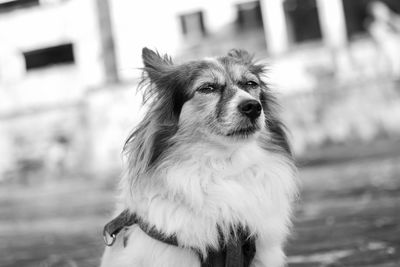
pixel 208 164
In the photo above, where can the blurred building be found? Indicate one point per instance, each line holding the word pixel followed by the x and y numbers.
pixel 299 36
pixel 67 67
pixel 51 53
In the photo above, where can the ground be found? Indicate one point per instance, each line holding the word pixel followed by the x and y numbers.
pixel 348 214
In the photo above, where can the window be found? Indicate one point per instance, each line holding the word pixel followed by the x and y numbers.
pixel 357 17
pixel 9 5
pixel 61 54
pixel 193 24
pixel 249 15
pixel 302 20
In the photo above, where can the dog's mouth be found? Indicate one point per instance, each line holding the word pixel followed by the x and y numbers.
pixel 243 132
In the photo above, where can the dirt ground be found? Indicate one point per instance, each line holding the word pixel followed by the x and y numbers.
pixel 348 215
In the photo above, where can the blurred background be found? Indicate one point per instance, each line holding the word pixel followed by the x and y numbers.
pixel 68 75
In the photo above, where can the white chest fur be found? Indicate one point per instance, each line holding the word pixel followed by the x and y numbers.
pixel 208 187
pixel 198 188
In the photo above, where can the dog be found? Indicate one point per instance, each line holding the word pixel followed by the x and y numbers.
pixel 208 164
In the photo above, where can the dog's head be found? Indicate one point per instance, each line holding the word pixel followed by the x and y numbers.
pixel 221 99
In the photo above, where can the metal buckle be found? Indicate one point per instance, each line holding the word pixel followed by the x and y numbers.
pixel 108 238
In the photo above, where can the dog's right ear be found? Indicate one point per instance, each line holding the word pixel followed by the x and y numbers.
pixel 154 64
pixel 241 55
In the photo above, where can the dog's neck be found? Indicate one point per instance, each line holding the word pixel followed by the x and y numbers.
pixel 203 186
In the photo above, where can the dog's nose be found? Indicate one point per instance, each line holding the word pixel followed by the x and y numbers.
pixel 250 108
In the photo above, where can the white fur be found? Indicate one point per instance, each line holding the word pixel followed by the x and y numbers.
pixel 200 185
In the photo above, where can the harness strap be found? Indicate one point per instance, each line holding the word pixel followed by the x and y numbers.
pixel 238 252
pixel 125 219
pixel 111 229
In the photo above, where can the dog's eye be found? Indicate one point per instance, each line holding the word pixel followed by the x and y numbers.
pixel 207 89
pixel 251 84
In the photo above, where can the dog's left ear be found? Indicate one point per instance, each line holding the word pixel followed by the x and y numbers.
pixel 162 85
pixel 241 55
pixel 154 64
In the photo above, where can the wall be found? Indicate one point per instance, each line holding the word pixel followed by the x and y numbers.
pixel 359 111
pixel 44 143
pixel 112 113
pixel 43 26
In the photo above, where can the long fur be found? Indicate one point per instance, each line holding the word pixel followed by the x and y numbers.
pixel 186 179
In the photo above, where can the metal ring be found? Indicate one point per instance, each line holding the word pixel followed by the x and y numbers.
pixel 108 239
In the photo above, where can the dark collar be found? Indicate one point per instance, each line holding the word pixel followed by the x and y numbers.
pixel 126 219
pixel 238 252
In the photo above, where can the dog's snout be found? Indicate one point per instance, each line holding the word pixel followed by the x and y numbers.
pixel 250 108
